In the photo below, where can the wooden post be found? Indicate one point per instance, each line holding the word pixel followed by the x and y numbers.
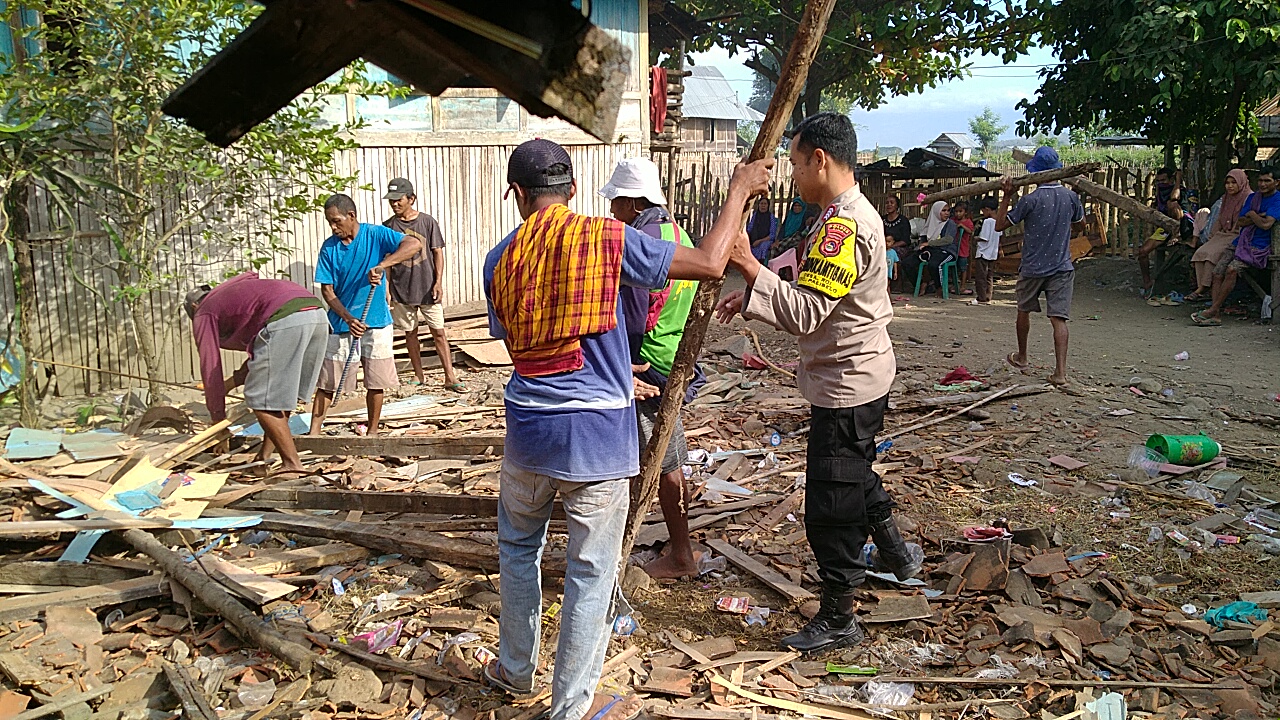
pixel 809 34
pixel 220 601
pixel 986 186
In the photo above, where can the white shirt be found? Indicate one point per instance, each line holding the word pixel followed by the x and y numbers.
pixel 988 240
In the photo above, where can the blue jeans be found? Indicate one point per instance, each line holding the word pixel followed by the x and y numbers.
pixel 597 516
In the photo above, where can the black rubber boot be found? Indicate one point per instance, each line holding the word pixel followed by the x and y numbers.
pixel 891 552
pixel 835 626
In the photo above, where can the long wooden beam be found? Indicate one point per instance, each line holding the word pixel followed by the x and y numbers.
pixel 987 186
pixel 791 79
pixel 420 446
pixel 379 502
pixel 29 607
pixel 1125 203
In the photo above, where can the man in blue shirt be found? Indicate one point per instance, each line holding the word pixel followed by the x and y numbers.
pixel 573 431
pixel 1046 265
pixel 1257 218
pixel 350 269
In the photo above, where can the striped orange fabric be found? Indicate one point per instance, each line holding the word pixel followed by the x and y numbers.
pixel 557 281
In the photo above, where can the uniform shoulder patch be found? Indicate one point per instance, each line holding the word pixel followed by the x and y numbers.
pixel 831 265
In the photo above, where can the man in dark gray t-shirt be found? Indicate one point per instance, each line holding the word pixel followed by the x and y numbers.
pixel 1046 266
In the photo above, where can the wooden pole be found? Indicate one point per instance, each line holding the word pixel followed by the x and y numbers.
pixel 813 25
pixel 227 607
pixel 1125 203
pixel 986 186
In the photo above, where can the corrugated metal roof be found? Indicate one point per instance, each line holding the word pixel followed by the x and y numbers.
pixel 958 139
pixel 708 95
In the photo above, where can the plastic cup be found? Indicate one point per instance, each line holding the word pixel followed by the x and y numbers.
pixel 1185 449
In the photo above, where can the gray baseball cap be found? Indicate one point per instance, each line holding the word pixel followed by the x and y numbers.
pixel 398 188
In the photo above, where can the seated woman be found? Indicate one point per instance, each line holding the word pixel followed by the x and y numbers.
pixel 1220 232
pixel 762 226
pixel 938 247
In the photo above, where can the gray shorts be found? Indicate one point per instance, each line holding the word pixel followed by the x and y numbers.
pixel 1057 291
pixel 286 361
pixel 677 450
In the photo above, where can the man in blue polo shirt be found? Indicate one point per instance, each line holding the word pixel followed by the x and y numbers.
pixel 350 269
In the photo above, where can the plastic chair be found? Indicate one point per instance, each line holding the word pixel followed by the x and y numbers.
pixel 946 272
pixel 786 260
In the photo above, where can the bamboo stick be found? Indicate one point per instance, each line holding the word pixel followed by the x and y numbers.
pixel 987 186
pixel 795 69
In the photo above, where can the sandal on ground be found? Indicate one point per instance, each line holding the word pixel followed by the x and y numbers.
pixel 457 387
pixel 1020 368
pixel 617 699
pixel 495 676
pixel 414 382
pixel 1202 321
pixel 1193 297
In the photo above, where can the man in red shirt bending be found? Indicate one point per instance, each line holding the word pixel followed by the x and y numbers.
pixel 283 329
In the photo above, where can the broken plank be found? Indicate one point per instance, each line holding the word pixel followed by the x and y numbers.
pixel 248 584
pixel 379 502
pixel 809 709
pixel 194 704
pixel 414 543
pixel 696 713
pixel 738 657
pixel 401 445
pixel 45 572
pixel 61 703
pixel 300 559
pixel 771 520
pixel 25 528
pixel 765 574
pixel 658 532
pixel 29 607
pixel 774 664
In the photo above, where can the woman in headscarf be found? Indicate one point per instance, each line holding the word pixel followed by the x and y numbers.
pixel 938 245
pixel 1222 228
pixel 762 226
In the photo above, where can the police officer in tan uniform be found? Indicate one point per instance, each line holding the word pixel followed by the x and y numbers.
pixel 839 308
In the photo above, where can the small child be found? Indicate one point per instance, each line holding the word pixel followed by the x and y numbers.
pixel 960 214
pixel 987 251
pixel 893 259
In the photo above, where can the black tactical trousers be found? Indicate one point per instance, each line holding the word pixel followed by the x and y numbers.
pixel 843 496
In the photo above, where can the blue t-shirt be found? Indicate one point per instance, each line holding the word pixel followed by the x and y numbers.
pixel 581 426
pixel 1046 239
pixel 1270 207
pixel 346 267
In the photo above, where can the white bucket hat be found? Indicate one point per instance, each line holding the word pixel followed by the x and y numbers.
pixel 635 177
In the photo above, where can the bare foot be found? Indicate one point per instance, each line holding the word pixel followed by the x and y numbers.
pixel 671 566
pixel 624 708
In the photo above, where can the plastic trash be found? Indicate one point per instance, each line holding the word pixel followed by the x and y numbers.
pixel 1184 355
pixel 775 439
pixel 375 641
pixel 1263 519
pixel 1190 610
pixel 707 564
pixel 872 556
pixel 338 589
pixel 1146 459
pixel 1154 533
pixel 888 694
pixel 884 445
pixel 625 625
pixel 1002 670
pixel 1265 313
pixel 1269 544
pixel 1185 449
pixel 846 693
pixel 1111 706
pixel 735 605
pixel 1238 611
pixel 1198 491
pixel 256 696
pixel 1019 480
pixel 757 615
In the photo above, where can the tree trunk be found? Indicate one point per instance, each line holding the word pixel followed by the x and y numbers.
pixel 1223 141
pixel 25 289
pixel 1168 153
pixel 146 346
